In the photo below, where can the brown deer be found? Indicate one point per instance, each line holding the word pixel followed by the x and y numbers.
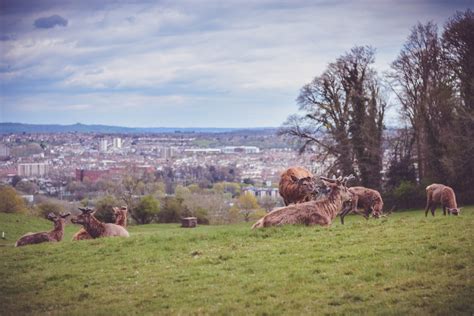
pixel 96 228
pixel 368 199
pixel 320 212
pixel 121 215
pixel 54 235
pixel 441 194
pixel 120 219
pixel 297 185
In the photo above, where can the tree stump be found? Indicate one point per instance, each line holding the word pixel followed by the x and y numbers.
pixel 189 222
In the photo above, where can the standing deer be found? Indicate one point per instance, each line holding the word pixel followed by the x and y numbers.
pixel 54 235
pixel 320 212
pixel 441 194
pixel 96 228
pixel 297 185
pixel 365 198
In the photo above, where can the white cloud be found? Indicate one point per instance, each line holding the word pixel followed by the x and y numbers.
pixel 145 56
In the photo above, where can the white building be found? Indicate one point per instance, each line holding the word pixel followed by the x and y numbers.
pixel 202 151
pixel 4 151
pixel 117 142
pixel 103 145
pixel 33 169
pixel 241 149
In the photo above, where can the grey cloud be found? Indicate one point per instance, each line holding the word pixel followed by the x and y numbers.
pixel 50 22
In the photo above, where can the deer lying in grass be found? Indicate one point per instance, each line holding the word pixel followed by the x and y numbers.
pixel 365 198
pixel 120 219
pixel 320 212
pixel 96 228
pixel 55 235
pixel 297 185
pixel 441 194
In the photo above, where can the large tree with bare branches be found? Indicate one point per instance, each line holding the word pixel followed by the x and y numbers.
pixel 342 114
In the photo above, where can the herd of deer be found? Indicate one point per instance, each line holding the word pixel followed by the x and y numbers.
pixel 306 202
pixel 91 227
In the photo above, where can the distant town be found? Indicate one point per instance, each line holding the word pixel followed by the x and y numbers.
pixel 59 164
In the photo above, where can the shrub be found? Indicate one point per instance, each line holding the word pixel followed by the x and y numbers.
pixel 103 208
pixel 147 210
pixel 171 210
pixel 10 201
pixel 48 206
pixel 408 195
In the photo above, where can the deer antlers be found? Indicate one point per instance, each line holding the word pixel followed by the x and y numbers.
pixel 86 210
pixel 341 180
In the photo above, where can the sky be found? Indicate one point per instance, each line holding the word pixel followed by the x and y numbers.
pixel 185 63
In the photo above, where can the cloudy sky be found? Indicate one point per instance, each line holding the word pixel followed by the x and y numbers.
pixel 184 63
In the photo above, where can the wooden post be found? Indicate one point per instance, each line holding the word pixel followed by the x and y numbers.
pixel 189 222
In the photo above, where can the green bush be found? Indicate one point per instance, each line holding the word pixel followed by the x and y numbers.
pixel 10 201
pixel 147 210
pixel 408 195
pixel 48 206
pixel 171 211
pixel 103 208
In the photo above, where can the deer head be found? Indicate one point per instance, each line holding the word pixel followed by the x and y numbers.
pixel 339 184
pixel 85 217
pixel 455 210
pixel 307 185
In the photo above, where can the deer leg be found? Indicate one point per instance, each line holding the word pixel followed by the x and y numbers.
pixel 344 212
pixel 444 210
pixel 428 206
pixel 433 208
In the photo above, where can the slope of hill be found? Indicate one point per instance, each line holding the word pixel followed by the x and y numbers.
pixel 404 264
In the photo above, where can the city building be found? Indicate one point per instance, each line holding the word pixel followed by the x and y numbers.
pixel 4 151
pixel 103 144
pixel 33 169
pixel 241 149
pixel 117 143
pixel 262 192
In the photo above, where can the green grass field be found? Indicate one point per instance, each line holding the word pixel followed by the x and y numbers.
pixel 403 264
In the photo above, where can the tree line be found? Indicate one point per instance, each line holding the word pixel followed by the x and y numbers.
pixel 342 113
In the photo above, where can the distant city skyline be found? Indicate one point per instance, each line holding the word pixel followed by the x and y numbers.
pixel 183 63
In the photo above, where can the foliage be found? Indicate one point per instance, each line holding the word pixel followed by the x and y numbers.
pixel 10 201
pixel 409 195
pixel 147 210
pixel 342 113
pixel 403 264
pixel 103 208
pixel 48 206
pixel 171 210
pixel 227 187
pixel 247 205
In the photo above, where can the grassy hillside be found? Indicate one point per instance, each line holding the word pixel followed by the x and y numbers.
pixel 404 264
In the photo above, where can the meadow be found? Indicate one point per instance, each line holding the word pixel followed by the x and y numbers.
pixel 402 264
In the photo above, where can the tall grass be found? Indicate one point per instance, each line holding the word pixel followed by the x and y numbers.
pixel 403 264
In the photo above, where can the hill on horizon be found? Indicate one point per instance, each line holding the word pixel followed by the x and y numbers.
pixel 7 128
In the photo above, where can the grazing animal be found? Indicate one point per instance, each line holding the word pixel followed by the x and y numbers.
pixel 441 194
pixel 297 185
pixel 120 219
pixel 96 228
pixel 365 198
pixel 320 212
pixel 55 235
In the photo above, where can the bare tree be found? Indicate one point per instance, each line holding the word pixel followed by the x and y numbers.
pixel 420 81
pixel 343 113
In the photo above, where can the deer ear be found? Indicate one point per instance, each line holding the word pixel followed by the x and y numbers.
pixel 295 179
pixel 64 215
